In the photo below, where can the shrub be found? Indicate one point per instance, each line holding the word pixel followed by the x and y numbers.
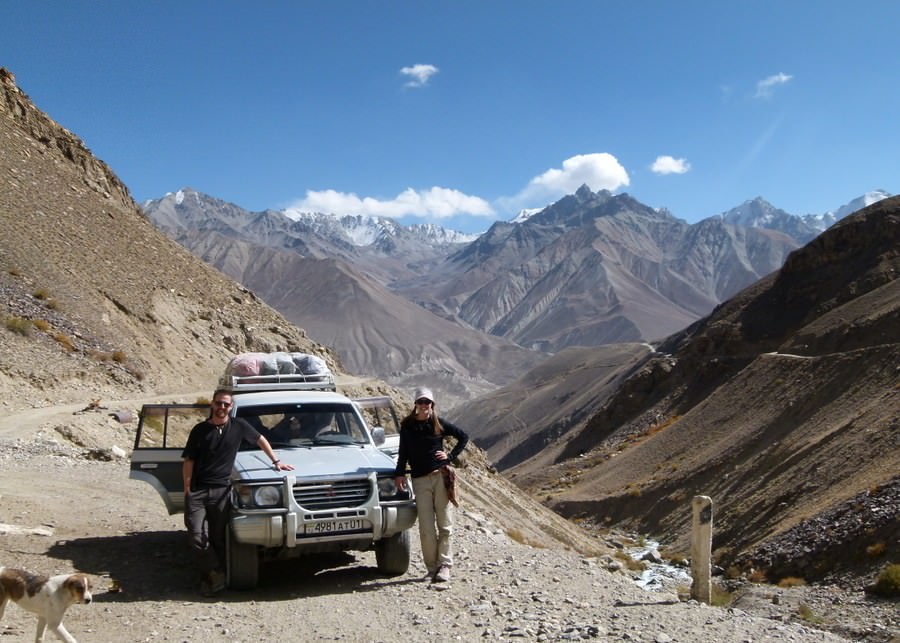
pixel 516 535
pixel 876 549
pixel 65 341
pixel 15 272
pixel 719 596
pixel 118 357
pixel 42 325
pixel 18 325
pixel 757 576
pixel 888 582
pixel 808 615
pixel 791 581
pixel 630 563
pixel 41 293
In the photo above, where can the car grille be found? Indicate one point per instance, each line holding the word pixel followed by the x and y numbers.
pixel 315 496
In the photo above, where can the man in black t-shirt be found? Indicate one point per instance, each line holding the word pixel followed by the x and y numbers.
pixel 208 459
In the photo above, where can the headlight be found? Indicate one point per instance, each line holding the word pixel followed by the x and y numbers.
pixel 259 496
pixel 387 490
pixel 267 496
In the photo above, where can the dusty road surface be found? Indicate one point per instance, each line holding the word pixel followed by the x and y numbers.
pixel 63 507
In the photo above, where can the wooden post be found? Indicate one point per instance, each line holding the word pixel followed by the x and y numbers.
pixel 701 548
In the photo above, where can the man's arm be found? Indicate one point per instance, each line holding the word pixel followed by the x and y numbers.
pixel 187 471
pixel 263 444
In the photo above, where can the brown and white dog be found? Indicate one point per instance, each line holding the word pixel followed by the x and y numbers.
pixel 47 597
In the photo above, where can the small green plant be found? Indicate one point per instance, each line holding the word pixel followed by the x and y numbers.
pixel 19 325
pixel 888 582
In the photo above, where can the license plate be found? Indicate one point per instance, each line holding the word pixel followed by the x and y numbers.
pixel 332 526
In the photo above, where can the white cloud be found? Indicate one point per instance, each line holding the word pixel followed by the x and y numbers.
pixel 599 171
pixel 670 165
pixel 418 74
pixel 435 203
pixel 766 86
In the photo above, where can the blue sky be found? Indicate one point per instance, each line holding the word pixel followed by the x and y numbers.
pixel 465 112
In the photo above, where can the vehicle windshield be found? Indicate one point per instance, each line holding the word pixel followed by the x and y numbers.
pixel 305 424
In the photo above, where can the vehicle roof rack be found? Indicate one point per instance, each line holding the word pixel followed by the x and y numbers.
pixel 279 382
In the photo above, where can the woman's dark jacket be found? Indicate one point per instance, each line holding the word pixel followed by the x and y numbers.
pixel 418 445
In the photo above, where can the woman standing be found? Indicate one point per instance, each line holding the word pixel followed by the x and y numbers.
pixel 422 448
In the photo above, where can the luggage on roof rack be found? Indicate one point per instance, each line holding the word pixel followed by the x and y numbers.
pixel 276 372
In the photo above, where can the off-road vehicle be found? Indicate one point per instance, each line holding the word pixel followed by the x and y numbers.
pixel 339 497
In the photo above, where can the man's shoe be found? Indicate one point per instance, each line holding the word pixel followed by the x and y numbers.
pixel 442 575
pixel 217 582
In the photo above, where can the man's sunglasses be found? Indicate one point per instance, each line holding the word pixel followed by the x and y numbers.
pixel 221 403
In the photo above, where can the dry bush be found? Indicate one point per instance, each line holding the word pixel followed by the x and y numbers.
pixel 41 293
pixel 719 596
pixel 757 576
pixel 19 325
pixel 876 549
pixel 888 582
pixel 806 613
pixel 42 325
pixel 65 341
pixel 630 563
pixel 791 581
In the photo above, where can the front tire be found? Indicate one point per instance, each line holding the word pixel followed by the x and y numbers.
pixel 243 564
pixel 392 554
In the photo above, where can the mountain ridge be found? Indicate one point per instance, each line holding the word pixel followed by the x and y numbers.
pixel 761 405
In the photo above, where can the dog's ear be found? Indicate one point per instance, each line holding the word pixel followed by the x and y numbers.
pixel 79 585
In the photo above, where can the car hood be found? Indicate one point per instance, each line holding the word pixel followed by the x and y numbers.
pixel 314 462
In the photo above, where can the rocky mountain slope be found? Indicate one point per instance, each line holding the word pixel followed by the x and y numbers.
pixel 594 268
pixel 92 292
pixel 782 405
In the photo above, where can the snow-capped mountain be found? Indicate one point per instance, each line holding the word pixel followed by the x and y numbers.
pixel 759 213
pixel 365 230
pixel 859 203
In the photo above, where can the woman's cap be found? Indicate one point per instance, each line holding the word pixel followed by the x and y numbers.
pixel 423 392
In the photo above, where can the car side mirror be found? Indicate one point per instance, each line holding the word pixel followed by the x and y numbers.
pixel 378 435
